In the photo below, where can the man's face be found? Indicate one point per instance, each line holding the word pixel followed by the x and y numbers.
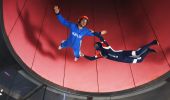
pixel 83 22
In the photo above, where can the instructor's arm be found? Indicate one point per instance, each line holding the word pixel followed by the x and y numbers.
pixel 89 57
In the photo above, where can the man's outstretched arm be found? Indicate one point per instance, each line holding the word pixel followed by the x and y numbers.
pixel 61 18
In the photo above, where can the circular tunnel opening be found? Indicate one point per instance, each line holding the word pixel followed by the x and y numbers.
pixel 35 34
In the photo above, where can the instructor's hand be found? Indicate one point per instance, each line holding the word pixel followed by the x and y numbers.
pixel 56 9
pixel 103 32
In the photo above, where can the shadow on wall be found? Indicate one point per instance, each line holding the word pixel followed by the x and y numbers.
pixel 33 34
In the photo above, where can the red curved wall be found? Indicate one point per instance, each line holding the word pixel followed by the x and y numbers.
pixel 35 34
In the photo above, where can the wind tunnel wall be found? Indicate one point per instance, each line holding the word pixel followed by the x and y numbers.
pixel 35 34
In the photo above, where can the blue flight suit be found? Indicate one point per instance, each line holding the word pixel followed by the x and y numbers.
pixel 75 36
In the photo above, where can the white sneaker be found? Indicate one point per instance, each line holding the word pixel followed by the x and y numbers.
pixel 76 59
pixel 59 48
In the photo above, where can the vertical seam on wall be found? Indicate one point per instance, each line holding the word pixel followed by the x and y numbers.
pixel 67 30
pixel 123 38
pixel 154 31
pixel 97 72
pixel 65 52
pixel 17 17
pixel 37 43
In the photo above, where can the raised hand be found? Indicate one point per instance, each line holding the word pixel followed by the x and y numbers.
pixel 56 9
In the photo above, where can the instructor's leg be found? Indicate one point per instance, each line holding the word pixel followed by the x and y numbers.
pixel 142 57
pixel 144 49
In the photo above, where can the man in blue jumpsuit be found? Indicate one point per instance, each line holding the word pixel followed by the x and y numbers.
pixel 77 32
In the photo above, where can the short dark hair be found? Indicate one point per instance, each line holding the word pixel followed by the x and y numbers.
pixel 98 45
